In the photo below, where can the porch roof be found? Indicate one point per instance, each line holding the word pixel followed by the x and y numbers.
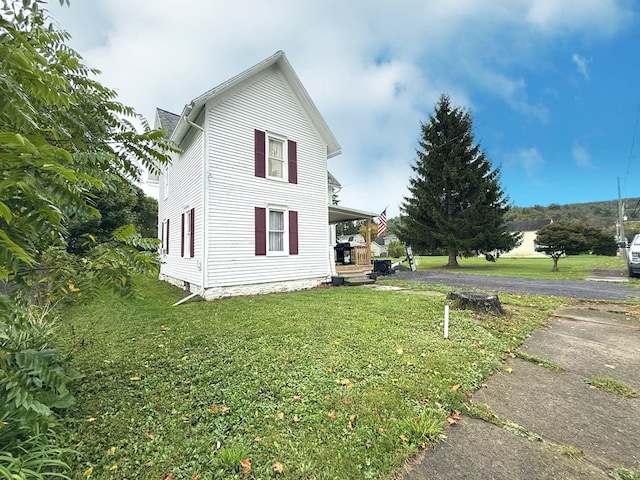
pixel 339 214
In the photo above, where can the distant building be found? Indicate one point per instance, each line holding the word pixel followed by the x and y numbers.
pixel 529 230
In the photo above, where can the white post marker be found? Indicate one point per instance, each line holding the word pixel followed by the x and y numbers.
pixel 446 321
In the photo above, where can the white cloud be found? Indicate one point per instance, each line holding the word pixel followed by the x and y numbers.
pixel 581 65
pixel 530 160
pixel 374 69
pixel 581 156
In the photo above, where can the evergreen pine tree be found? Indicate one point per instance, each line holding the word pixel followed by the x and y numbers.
pixel 456 204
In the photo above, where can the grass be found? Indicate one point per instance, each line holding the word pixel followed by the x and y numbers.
pixel 613 386
pixel 539 361
pixel 326 383
pixel 574 267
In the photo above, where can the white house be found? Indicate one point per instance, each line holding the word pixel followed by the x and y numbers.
pixel 529 230
pixel 245 208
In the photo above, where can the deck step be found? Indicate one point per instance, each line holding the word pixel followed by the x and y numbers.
pixel 356 281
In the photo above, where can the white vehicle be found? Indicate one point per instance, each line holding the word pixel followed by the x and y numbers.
pixel 633 256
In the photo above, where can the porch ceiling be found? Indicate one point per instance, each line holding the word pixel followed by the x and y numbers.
pixel 339 214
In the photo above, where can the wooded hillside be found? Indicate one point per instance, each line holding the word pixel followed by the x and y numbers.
pixel 597 214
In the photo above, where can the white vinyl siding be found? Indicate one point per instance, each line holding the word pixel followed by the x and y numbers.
pixel 268 105
pixel 186 192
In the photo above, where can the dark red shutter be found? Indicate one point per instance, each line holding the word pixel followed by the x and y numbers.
pixel 167 237
pixel 261 230
pixel 259 149
pixel 293 232
pixel 292 149
pixel 193 233
pixel 182 238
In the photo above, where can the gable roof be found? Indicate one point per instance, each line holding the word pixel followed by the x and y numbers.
pixel 528 226
pixel 167 120
pixel 279 60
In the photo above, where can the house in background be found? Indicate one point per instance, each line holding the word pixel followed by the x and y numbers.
pixel 529 230
pixel 384 242
pixel 246 207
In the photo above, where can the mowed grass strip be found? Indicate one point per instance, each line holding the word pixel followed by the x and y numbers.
pixel 326 383
pixel 573 267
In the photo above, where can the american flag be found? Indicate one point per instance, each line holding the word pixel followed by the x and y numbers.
pixel 382 223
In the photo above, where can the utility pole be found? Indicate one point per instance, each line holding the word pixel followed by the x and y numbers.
pixel 621 237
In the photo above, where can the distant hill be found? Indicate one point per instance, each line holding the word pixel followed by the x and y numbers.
pixel 597 214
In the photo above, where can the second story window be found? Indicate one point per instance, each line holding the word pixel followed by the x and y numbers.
pixel 276 164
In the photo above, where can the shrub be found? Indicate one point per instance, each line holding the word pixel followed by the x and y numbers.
pixel 396 249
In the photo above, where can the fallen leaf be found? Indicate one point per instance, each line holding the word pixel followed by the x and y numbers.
pixel 399 351
pixel 214 409
pixel 91 419
pixel 508 369
pixel 455 387
pixel 455 415
pixel 511 355
pixel 277 467
pixel 111 449
pixel 196 477
pixel 246 465
pixel 169 477
pixel 151 436
pixel 149 463
pixel 88 471
pixel 451 421
pixel 257 439
pixel 331 415
pixel 280 416
pixel 134 379
pixel 404 438
pixel 184 357
pixel 468 394
pixel 296 398
pixel 113 467
pixel 296 419
pixel 225 409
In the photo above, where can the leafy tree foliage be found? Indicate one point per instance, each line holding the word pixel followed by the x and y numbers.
pixel 396 249
pixel 64 138
pixel 558 239
pixel 455 200
pixel 120 204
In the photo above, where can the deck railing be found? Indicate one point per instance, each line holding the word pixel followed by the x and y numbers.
pixel 360 255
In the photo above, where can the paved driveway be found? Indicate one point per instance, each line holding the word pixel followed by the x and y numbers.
pixel 586 289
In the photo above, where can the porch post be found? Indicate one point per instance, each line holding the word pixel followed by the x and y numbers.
pixel 368 242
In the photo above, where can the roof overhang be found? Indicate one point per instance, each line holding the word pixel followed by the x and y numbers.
pixel 339 214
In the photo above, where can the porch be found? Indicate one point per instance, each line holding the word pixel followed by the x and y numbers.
pixel 359 256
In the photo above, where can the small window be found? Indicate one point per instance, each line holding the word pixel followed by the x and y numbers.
pixel 165 237
pixel 276 231
pixel 188 237
pixel 276 165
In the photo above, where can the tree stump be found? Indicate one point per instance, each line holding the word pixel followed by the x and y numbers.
pixel 480 302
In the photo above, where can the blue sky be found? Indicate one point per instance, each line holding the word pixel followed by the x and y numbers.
pixel 553 85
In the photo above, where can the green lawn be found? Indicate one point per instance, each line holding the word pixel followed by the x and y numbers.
pixel 327 383
pixel 574 267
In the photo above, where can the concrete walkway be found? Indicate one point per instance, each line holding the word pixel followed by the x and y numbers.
pixel 559 426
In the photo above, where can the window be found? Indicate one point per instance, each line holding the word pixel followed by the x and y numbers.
pixel 276 231
pixel 188 238
pixel 165 237
pixel 275 157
